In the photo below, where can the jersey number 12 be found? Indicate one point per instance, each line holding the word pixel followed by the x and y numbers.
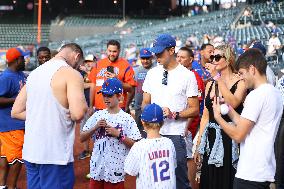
pixel 165 167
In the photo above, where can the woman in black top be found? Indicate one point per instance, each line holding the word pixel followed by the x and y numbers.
pixel 218 151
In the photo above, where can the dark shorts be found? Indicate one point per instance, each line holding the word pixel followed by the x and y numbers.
pixel 47 176
pixel 245 184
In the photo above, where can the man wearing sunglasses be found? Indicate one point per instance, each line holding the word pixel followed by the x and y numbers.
pixel 174 88
pixel 146 59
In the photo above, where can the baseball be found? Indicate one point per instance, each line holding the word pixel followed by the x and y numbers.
pixel 224 109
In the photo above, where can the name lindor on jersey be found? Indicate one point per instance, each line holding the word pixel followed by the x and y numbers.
pixel 158 154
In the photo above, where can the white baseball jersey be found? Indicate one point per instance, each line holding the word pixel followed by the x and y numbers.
pixel 107 161
pixel 153 162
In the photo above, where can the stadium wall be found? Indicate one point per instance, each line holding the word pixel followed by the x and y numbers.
pixel 59 33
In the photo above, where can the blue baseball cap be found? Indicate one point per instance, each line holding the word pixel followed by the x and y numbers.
pixel 145 53
pixel 163 41
pixel 111 86
pixel 152 113
pixel 259 46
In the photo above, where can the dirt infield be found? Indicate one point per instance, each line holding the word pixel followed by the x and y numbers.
pixel 81 168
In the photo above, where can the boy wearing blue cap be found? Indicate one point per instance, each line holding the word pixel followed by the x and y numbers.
pixel 114 132
pixel 152 161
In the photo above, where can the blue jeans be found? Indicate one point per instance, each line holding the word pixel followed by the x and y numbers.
pixel 49 176
pixel 181 156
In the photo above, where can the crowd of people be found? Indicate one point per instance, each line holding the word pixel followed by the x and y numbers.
pixel 181 118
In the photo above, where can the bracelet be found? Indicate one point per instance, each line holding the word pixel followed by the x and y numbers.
pixel 217 76
pixel 121 136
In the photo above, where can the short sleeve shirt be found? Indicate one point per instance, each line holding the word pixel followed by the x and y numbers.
pixel 140 75
pixel 264 107
pixel 123 71
pixel 10 86
pixel 153 161
pixel 202 72
pixel 181 85
pixel 107 161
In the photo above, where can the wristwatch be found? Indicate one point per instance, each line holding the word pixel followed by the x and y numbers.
pixel 177 116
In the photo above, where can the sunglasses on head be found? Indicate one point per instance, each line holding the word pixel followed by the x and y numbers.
pixel 216 57
pixel 108 95
pixel 165 78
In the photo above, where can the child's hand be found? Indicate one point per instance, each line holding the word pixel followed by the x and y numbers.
pixel 111 131
pixel 101 123
pixel 167 112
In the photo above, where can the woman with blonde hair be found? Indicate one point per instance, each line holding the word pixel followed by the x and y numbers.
pixel 219 154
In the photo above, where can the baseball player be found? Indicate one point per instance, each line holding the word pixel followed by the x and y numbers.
pixel 114 132
pixel 152 161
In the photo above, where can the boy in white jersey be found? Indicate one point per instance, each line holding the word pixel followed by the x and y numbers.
pixel 113 132
pixel 151 161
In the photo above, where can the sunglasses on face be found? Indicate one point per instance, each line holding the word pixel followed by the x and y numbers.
pixel 216 57
pixel 165 78
pixel 108 95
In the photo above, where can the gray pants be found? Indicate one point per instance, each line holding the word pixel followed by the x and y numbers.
pixel 139 123
pixel 181 156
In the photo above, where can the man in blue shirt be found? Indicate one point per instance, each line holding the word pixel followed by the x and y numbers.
pixel 146 58
pixel 11 130
pixel 206 51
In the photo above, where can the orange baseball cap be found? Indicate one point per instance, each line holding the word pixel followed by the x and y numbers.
pixel 14 53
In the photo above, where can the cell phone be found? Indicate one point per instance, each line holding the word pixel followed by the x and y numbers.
pixel 110 69
pixel 216 90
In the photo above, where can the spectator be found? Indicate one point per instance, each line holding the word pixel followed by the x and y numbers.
pixel 217 148
pixel 199 66
pixel 114 132
pixel 51 101
pixel 130 52
pixel 269 73
pixel 185 57
pixel 85 69
pixel 43 55
pixel 273 45
pixel 178 44
pixel 110 67
pixel 140 74
pixel 11 130
pixel 259 121
pixel 174 88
